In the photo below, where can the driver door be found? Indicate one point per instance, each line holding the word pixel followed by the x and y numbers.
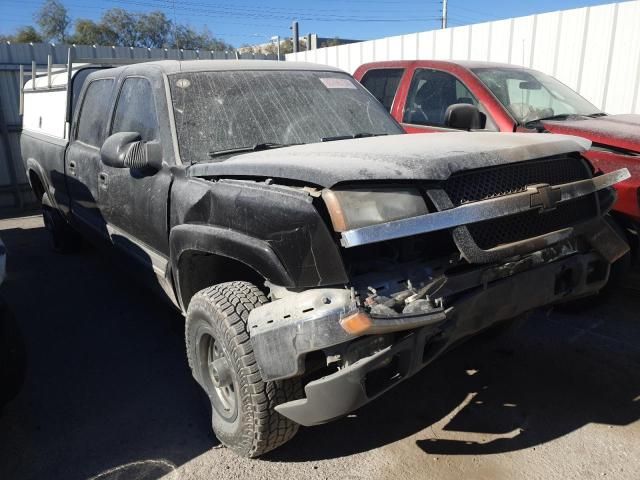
pixel 134 201
pixel 430 94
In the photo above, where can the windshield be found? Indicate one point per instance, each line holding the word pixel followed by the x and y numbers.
pixel 227 110
pixel 531 95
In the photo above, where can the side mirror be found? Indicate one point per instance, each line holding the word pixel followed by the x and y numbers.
pixel 464 117
pixel 127 150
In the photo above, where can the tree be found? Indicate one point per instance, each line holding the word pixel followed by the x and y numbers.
pixel 286 46
pixel 153 29
pixel 187 38
pixel 88 32
pixel 53 20
pixel 23 35
pixel 27 35
pixel 116 27
pixel 246 49
pixel 332 42
pixel 124 24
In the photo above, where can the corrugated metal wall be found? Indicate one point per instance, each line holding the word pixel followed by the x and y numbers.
pixel 594 50
pixel 14 190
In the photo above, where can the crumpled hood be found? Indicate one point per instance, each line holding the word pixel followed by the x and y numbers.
pixel 396 157
pixel 620 131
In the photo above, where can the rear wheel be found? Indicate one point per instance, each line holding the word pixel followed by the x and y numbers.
pixel 222 362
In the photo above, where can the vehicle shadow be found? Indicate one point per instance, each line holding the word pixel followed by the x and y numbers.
pixel 108 393
pixel 556 375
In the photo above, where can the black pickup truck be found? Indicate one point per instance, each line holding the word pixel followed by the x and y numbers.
pixel 320 255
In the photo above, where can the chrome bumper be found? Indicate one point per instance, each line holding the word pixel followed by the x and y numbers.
pixel 536 197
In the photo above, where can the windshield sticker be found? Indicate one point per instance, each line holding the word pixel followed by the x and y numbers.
pixel 337 83
pixel 183 83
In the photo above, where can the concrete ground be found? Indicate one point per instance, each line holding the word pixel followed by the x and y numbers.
pixel 108 394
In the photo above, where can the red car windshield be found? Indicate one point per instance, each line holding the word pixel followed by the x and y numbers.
pixel 531 96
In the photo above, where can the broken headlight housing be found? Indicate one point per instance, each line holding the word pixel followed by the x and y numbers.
pixel 360 207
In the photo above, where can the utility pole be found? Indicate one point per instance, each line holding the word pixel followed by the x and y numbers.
pixel 444 14
pixel 296 37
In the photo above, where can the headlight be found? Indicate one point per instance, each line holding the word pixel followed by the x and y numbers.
pixel 357 208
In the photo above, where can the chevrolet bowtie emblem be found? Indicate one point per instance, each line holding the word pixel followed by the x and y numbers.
pixel 545 197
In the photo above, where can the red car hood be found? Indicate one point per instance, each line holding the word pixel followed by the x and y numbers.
pixel 620 131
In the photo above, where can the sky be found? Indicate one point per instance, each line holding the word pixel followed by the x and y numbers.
pixel 241 22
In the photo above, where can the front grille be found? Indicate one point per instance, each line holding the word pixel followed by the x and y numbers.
pixel 531 224
pixel 475 185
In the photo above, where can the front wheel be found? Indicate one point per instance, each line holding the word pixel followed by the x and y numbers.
pixel 222 362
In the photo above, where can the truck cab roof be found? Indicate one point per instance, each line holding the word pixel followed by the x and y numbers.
pixel 169 67
pixel 468 64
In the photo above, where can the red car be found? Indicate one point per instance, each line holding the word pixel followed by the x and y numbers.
pixel 418 94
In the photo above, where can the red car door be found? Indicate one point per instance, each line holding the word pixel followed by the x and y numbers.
pixel 428 95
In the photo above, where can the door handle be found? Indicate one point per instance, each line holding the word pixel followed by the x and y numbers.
pixel 72 167
pixel 103 179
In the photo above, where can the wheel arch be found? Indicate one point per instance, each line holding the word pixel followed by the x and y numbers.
pixel 203 255
pixel 37 182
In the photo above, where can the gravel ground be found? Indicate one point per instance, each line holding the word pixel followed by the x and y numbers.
pixel 108 394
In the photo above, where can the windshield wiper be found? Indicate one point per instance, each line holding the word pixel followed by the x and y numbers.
pixel 250 148
pixel 351 137
pixel 562 116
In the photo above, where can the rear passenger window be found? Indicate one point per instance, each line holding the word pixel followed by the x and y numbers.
pixel 94 112
pixel 136 110
pixel 383 84
pixel 78 81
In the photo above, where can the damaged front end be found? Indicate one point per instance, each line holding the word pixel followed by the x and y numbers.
pixel 471 252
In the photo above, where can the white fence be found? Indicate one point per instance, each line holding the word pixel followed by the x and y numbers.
pixel 594 50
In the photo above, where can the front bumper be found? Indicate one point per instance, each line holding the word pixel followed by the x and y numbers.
pixel 535 197
pixel 360 382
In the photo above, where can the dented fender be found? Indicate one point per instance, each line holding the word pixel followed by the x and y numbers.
pixel 274 229
pixel 254 253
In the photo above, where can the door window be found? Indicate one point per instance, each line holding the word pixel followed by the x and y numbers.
pixel 383 84
pixel 94 112
pixel 77 83
pixel 136 110
pixel 431 93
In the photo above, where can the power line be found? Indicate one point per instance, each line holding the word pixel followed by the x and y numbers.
pixel 184 15
pixel 234 12
pixel 255 13
pixel 281 10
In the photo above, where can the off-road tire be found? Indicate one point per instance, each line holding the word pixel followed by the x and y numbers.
pixel 62 237
pixel 221 312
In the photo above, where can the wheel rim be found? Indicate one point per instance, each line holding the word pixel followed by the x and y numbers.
pixel 219 378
